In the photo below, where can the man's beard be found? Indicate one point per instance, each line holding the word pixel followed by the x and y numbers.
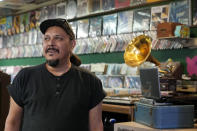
pixel 52 63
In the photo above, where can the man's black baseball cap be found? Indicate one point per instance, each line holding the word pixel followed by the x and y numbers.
pixel 63 23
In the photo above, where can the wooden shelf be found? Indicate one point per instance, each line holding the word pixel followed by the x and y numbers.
pixel 122 109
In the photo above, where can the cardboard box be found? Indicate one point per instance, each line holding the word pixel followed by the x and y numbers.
pixel 166 29
pixel 133 126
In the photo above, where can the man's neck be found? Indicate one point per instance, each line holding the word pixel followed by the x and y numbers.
pixel 59 69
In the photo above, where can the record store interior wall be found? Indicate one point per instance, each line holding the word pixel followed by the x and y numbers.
pixel 107 20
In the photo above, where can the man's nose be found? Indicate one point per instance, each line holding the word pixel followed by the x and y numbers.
pixel 51 42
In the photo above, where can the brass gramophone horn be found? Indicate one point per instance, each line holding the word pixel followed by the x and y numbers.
pixel 138 51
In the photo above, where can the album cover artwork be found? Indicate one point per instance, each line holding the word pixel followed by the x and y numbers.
pixel 3 29
pixel 34 36
pixel 122 3
pixel 109 24
pixel 22 23
pixel 1 42
pixel 104 80
pixel 44 14
pixel 82 7
pixel 26 21
pixel 61 10
pixel 32 20
pixel 51 11
pixel 38 17
pixel 125 21
pixel 95 5
pixel 132 82
pixel 137 2
pixel 95 26
pixel 180 12
pixel 39 37
pixel 194 11
pixel 10 41
pixel 83 27
pixel 17 24
pixel 141 19
pixel 159 14
pixel 116 82
pixel 26 38
pixel 9 25
pixel 71 9
pixel 108 4
pixel 74 27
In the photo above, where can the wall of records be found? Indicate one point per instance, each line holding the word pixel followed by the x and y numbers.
pixel 100 26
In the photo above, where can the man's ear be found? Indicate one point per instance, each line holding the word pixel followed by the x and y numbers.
pixel 73 43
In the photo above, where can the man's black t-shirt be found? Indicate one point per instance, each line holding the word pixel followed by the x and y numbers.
pixel 52 103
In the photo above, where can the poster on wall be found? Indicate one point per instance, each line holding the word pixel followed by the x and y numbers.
pixel 95 26
pixel 125 22
pixel 141 19
pixel 159 14
pixel 109 24
pixel 180 12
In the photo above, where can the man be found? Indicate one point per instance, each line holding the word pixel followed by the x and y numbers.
pixel 56 95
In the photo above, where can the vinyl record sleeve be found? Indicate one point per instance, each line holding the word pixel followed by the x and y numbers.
pixel 51 11
pixel 95 26
pixel 71 9
pixel 32 20
pixel 22 23
pixel 9 24
pixel 82 8
pixel 141 19
pixel 44 14
pixel 122 3
pixel 180 12
pixel 108 4
pixel 125 22
pixel 61 10
pixel 17 24
pixel 109 24
pixel 95 5
pixel 74 27
pixel 159 14
pixel 194 11
pixel 132 82
pixel 116 82
pixel 1 42
pixel 83 27
pixel 137 2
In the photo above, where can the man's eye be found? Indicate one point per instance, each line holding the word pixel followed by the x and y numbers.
pixel 58 38
pixel 46 38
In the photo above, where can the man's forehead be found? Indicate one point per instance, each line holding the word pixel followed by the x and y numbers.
pixel 55 30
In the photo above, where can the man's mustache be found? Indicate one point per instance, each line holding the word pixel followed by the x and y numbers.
pixel 51 48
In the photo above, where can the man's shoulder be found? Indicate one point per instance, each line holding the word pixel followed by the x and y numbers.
pixel 84 72
pixel 31 69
